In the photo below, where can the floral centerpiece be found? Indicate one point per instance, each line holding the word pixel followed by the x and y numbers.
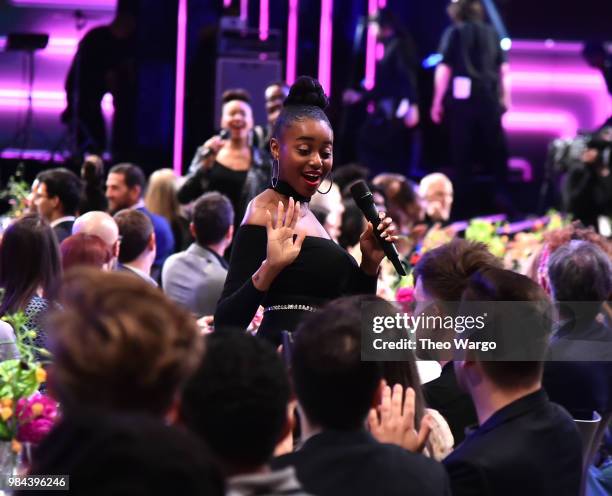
pixel 16 192
pixel 26 415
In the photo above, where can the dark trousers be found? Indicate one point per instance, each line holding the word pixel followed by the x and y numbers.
pixel 477 140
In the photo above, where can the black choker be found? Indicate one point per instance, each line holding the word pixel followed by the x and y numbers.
pixel 284 188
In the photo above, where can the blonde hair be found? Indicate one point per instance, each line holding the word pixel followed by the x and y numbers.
pixel 161 196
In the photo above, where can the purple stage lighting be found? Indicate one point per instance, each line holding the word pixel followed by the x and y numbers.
pixel 179 101
pixel 67 4
pixel 325 45
pixel 292 31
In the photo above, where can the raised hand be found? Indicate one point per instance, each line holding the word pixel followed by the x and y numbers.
pixel 395 424
pixel 282 248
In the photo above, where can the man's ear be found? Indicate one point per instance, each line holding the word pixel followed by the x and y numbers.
pixel 230 233
pixel 192 230
pixel 136 193
pixel 151 242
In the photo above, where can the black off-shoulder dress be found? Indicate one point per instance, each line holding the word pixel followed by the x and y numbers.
pixel 322 272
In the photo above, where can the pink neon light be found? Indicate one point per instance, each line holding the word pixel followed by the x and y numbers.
pixel 264 19
pixel 380 51
pixel 559 123
pixel 69 4
pixel 370 68
pixel 44 100
pixel 325 45
pixel 179 102
pixel 13 153
pixel 528 79
pixel 57 46
pixel 382 4
pixel 292 32
pixel 545 45
pixel 227 3
pixel 244 10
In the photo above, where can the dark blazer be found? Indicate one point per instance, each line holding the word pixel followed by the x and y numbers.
pixel 578 373
pixel 456 406
pixel 528 448
pixel 336 463
pixel 164 239
pixel 63 230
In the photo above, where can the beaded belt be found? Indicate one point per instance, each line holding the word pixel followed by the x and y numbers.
pixel 274 308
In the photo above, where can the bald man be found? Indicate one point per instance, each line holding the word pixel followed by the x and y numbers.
pixel 102 225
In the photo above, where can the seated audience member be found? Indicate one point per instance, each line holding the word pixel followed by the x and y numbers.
pixel 331 204
pixel 345 175
pixel 137 248
pixel 85 249
pixel 119 345
pixel 524 444
pixel 100 224
pixel 57 199
pixel 93 196
pixel 134 454
pixel 335 391
pixel 237 402
pixel 195 278
pixel 30 269
pixel 161 199
pixel 579 377
pixel 403 200
pixel 436 192
pixel 125 187
pixel 441 275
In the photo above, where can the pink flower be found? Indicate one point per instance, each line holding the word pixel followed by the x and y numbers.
pixel 36 416
pixel 405 295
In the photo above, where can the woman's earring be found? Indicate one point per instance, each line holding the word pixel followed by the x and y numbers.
pixel 331 183
pixel 274 178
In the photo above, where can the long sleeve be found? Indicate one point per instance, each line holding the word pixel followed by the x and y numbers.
pixel 240 299
pixel 194 186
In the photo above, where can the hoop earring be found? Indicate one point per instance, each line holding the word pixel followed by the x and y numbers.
pixel 331 184
pixel 274 178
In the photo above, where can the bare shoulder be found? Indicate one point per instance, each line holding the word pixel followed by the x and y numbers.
pixel 256 211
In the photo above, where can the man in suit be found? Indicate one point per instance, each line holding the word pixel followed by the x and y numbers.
pixel 523 444
pixel 125 187
pixel 441 276
pixel 578 374
pixel 137 248
pixel 195 277
pixel 335 390
pixel 56 198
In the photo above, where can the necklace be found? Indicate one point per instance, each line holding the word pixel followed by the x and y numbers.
pixel 284 188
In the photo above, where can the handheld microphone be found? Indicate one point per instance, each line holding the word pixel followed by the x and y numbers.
pixel 224 134
pixel 365 201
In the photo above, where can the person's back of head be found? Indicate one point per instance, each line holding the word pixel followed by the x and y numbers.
pixel 136 231
pixel 132 454
pixel 161 197
pixel 29 260
pixel 237 401
pixel 444 271
pixel 119 344
pixel 85 249
pixel 63 185
pixel 213 216
pixel 581 272
pixel 466 11
pixel 334 387
pixel 102 225
pixel 518 319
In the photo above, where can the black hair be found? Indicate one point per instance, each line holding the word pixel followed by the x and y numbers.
pixel 351 225
pixel 65 185
pixel 29 259
pixel 466 10
pixel 306 100
pixel 335 388
pixel 144 456
pixel 236 94
pixel 213 214
pixel 135 229
pixel 237 400
pixel 132 175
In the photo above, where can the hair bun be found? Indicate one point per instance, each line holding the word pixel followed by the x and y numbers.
pixel 307 91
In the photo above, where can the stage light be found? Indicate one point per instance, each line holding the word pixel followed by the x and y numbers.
pixel 264 19
pixel 505 44
pixel 179 101
pixel 370 68
pixel 292 32
pixel 325 45
pixel 432 60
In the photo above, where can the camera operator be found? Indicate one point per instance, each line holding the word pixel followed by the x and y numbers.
pixel 587 187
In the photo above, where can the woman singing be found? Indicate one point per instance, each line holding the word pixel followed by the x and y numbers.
pixel 283 259
pixel 231 166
